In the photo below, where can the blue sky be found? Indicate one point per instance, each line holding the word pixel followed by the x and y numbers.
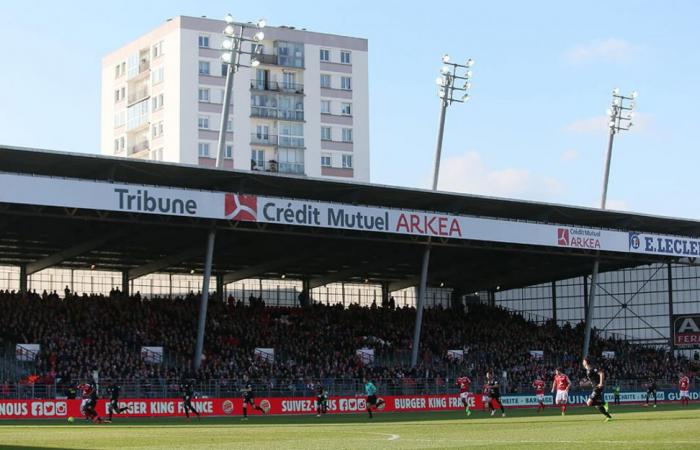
pixel 535 126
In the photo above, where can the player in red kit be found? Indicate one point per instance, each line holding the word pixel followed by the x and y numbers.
pixel 538 384
pixel 561 385
pixel 683 385
pixel 463 383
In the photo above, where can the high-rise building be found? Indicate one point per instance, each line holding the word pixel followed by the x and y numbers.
pixel 304 110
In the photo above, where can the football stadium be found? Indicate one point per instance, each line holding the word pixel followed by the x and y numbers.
pixel 292 354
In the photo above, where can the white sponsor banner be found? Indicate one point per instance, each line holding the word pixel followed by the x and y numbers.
pixel 119 197
pixel 27 352
pixel 366 355
pixel 153 355
pixel 266 354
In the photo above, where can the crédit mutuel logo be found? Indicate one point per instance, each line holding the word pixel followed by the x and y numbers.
pixel 635 242
pixel 241 207
pixel 578 238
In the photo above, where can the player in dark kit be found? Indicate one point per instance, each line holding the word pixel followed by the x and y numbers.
pixel 597 379
pixel 187 394
pixel 113 390
pixel 321 401
pixel 651 391
pixel 249 398
pixel 494 394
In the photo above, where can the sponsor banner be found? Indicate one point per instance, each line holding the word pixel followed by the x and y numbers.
pixel 85 194
pixel 686 331
pixel 664 245
pixel 173 407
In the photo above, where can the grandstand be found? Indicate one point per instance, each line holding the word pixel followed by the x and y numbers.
pixel 507 277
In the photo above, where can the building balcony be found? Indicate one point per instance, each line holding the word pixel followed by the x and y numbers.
pixel 138 95
pixel 291 142
pixel 281 60
pixel 263 139
pixel 277 86
pixel 285 114
pixel 139 147
pixel 293 168
pixel 264 112
pixel 264 166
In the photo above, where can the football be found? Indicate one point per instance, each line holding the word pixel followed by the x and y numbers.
pixel 71 419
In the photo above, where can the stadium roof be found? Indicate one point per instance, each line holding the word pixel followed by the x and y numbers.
pixel 40 236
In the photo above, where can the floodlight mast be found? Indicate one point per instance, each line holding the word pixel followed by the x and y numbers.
pixel 620 119
pixel 232 47
pixel 448 93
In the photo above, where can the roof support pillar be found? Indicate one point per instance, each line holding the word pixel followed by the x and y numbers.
pixel 125 283
pixel 23 278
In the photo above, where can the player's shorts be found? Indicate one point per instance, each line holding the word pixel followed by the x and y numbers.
pixel 651 391
pixel 562 397
pixel 249 400
pixel 684 394
pixel 114 404
pixel 539 397
pixel 464 395
pixel 596 395
pixel 321 399
pixel 372 400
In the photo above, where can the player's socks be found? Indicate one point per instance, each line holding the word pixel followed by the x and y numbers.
pixel 245 412
pixel 606 406
pixel 604 411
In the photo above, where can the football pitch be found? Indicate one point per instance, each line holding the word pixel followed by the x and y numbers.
pixel 668 426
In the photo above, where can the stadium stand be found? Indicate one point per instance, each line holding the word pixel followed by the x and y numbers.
pixel 80 334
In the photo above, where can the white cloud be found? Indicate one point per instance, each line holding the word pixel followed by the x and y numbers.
pixel 606 50
pixel 597 125
pixel 570 155
pixel 468 173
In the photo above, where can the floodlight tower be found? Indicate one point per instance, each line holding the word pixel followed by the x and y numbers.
pixel 454 84
pixel 621 115
pixel 232 47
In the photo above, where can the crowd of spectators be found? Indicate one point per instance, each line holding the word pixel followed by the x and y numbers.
pixel 83 334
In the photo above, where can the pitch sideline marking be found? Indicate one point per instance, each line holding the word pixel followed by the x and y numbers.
pixel 392 437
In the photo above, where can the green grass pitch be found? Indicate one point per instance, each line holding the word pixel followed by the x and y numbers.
pixel 633 427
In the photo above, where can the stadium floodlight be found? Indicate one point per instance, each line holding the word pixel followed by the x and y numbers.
pixel 232 48
pixel 448 93
pixel 620 119
pixel 283 276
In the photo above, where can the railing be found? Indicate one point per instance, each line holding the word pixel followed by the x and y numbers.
pixel 144 145
pixel 138 95
pixel 265 112
pixel 266 59
pixel 264 166
pixel 296 168
pixel 263 139
pixel 272 387
pixel 291 141
pixel 277 86
pixel 286 114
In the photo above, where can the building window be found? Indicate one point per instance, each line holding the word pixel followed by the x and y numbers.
pixel 325 160
pixel 137 115
pixel 157 75
pixel 262 132
pixel 116 145
pixel 325 55
pixel 116 95
pixel 224 70
pixel 204 67
pixel 203 149
pixel 204 95
pixel 325 133
pixel 229 125
pixel 204 41
pixel 347 134
pixel 117 71
pixel 325 106
pixel 347 161
pixel 203 122
pixel 345 83
pixel 119 119
pixel 123 93
pixel 290 54
pixel 157 154
pixel 346 109
pixel 325 80
pixel 345 57
pixel 122 142
pixel 291 134
pixel 157 129
pixel 157 102
pixel 257 159
pixel 158 50
pixel 229 152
